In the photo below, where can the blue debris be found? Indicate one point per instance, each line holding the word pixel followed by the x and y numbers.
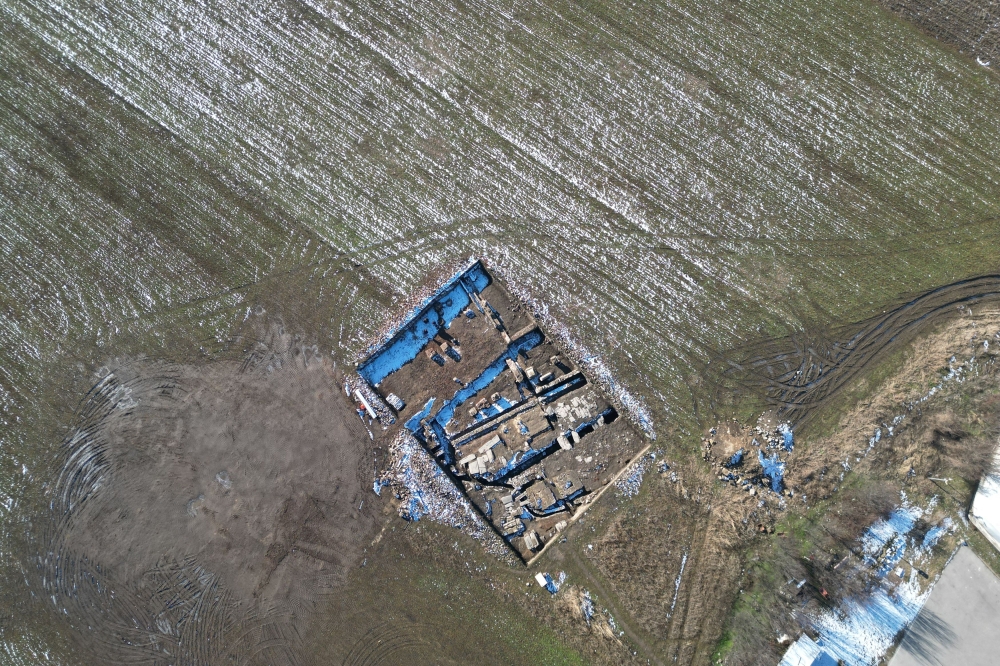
pixel 492 371
pixel 774 470
pixel 786 433
pixel 424 323
pixel 545 580
pixel 551 395
pixel 413 424
pixel 736 459
pixel 517 464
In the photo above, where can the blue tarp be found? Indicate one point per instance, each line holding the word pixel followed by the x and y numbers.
pixel 492 371
pixel 425 322
pixel 789 439
pixel 774 469
pixel 413 424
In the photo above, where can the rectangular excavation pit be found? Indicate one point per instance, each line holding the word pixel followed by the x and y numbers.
pixel 511 418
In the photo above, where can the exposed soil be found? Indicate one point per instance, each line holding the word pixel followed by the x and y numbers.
pixel 925 365
pixel 530 445
pixel 220 503
pixel 942 398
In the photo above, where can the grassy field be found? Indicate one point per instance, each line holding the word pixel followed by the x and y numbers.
pixel 670 179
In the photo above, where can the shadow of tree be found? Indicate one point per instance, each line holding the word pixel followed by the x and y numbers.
pixel 926 636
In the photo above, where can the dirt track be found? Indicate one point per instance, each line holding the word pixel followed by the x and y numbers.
pixel 801 373
pixel 208 509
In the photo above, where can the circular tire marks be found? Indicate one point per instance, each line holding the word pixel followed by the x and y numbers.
pixel 395 643
pixel 199 514
pixel 177 612
pixel 801 373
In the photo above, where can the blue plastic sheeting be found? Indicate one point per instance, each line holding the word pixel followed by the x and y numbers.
pixel 421 327
pixel 492 371
pixel 736 459
pixel 445 441
pixel 577 381
pixel 500 405
pixel 413 425
pixel 774 469
pixel 789 439
pixel 517 464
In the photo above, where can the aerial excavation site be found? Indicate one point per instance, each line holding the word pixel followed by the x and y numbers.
pixel 499 332
pixel 505 412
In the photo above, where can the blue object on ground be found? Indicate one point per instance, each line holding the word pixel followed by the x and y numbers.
pixel 774 470
pixel 420 328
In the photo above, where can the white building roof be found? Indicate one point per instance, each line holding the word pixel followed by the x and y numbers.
pixel 985 513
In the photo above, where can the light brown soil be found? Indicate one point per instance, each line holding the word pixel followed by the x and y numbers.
pixel 925 364
pixel 229 504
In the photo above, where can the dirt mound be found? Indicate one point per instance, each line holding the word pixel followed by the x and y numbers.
pixel 207 510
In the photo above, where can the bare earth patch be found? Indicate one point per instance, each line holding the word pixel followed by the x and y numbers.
pixel 223 502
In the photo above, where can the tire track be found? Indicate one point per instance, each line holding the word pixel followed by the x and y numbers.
pixel 608 600
pixel 802 373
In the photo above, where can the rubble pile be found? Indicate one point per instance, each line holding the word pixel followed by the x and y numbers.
pixel 744 470
pixel 424 491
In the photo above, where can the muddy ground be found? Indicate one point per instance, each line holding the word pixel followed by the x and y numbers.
pixel 222 506
pixel 216 496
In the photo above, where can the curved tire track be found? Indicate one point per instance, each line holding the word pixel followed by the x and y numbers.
pixel 802 373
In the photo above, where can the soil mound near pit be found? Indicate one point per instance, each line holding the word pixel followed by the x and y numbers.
pixel 207 510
